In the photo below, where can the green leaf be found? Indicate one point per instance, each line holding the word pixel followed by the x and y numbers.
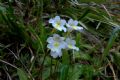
pixel 75 72
pixel 65 57
pixel 22 75
pixel 111 42
pixel 46 74
pixel 64 72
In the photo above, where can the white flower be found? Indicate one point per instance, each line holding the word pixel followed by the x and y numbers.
pixel 58 23
pixel 56 46
pixel 56 43
pixel 71 44
pixel 72 25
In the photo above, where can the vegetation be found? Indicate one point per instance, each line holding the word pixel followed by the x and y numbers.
pixel 25 28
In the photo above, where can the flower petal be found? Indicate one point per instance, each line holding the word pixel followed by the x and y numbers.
pixel 70 41
pixel 53 54
pixel 50 46
pixel 56 35
pixel 56 54
pixel 50 40
pixel 75 48
pixel 80 28
pixel 51 20
pixel 68 25
pixel 63 22
pixel 75 22
pixel 64 29
pixel 57 18
pixel 70 21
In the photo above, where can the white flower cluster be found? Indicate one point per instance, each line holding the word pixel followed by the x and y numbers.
pixel 59 24
pixel 57 43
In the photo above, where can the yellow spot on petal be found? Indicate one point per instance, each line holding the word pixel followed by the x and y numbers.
pixel 56 44
pixel 70 46
pixel 57 24
pixel 74 27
